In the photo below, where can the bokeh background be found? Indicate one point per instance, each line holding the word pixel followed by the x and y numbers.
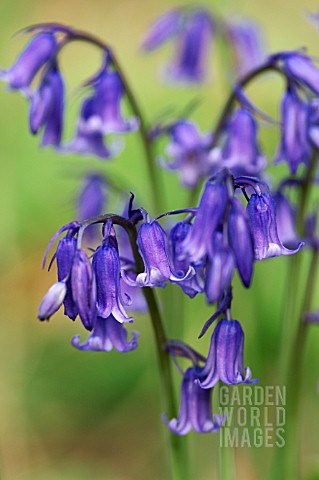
pixel 66 414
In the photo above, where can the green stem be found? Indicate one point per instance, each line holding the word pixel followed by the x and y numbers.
pixel 226 461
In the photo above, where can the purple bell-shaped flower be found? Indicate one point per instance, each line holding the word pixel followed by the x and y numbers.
pixel 84 288
pixel 65 253
pixel 52 301
pixel 107 334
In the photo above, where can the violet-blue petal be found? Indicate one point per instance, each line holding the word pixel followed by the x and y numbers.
pixel 106 265
pixel 193 42
pixel 241 152
pixel 262 215
pixel 46 107
pixel 300 68
pixel 40 49
pixel 195 411
pixel 52 301
pixel 107 334
pixel 84 288
pixel 65 253
pixel 225 357
pixel 286 220
pixel 219 269
pixel 91 200
pixel 164 28
pixel 194 285
pixel 210 213
pixel 294 145
pixel 240 240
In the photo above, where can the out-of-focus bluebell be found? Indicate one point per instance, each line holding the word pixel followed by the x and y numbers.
pixel 246 43
pixel 298 67
pixel 40 49
pixel 294 146
pixel 195 411
pixel 192 30
pixel 240 240
pixel 189 152
pixel 286 220
pixel 46 107
pixel 240 153
pixel 91 201
pixel 107 334
pixel 194 285
pixel 52 300
pixel 225 357
pixel 262 214
pixel 219 268
pixel 84 288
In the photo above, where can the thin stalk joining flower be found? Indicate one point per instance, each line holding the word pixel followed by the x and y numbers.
pixel 179 470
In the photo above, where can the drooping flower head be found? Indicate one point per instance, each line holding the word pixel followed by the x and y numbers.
pixel 262 214
pixel 40 49
pixel 225 357
pixel 107 334
pixel 189 152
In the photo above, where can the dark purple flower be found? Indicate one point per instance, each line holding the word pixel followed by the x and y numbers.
pixel 84 288
pixel 210 213
pixel 107 334
pixel 64 258
pixel 294 147
pixel 188 150
pixel 46 107
pixel 225 357
pixel 240 240
pixel 219 269
pixel 262 214
pixel 246 45
pixel 52 301
pixel 195 411
pixel 106 266
pixel 241 153
pixel 191 57
pixel 193 285
pixel 40 49
pixel 164 28
pixel 153 246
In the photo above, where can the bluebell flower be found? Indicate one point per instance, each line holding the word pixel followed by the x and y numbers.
pixel 91 201
pixel 189 152
pixel 40 49
pixel 241 153
pixel 164 28
pixel 210 213
pixel 106 266
pixel 195 411
pixel 194 285
pixel 219 268
pixel 84 288
pixel 89 141
pixel 240 240
pixel 52 301
pixel 247 46
pixel 65 253
pixel 225 357
pixel 153 246
pixel 107 334
pixel 294 146
pixel 192 49
pixel 299 68
pixel 192 30
pixel 262 214
pixel 46 107
pixel 286 220
pixel 106 108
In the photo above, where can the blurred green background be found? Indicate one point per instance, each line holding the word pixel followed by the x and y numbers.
pixel 66 414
